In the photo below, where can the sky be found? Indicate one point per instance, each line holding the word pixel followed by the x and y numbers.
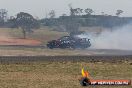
pixel 39 8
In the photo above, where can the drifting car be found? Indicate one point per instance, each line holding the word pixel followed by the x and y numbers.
pixel 69 42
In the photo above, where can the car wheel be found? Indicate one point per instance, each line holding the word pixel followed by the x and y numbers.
pixel 50 46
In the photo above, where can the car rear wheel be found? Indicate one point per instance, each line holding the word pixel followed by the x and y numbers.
pixel 50 46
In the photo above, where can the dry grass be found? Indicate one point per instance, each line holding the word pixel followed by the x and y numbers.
pixel 43 34
pixel 60 74
pixel 34 52
pixel 46 35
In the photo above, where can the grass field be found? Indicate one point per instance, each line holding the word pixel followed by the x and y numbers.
pixel 60 74
pixel 47 74
pixel 44 34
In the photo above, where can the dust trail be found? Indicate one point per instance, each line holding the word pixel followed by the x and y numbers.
pixel 119 38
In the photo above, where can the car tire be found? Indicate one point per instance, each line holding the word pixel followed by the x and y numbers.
pixel 50 46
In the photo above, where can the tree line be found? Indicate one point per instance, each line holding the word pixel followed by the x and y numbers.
pixel 26 22
pixel 84 18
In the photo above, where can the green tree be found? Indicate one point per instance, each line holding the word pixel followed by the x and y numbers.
pixel 3 16
pixel 26 22
pixel 72 11
pixel 119 12
pixel 88 11
pixel 52 13
pixel 79 11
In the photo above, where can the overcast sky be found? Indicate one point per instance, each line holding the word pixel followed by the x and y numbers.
pixel 41 7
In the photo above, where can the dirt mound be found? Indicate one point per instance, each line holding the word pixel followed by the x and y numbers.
pixel 17 41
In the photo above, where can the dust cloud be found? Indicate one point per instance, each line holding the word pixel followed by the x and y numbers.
pixel 118 38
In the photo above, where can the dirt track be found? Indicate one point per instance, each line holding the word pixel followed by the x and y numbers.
pixel 18 41
pixel 109 51
pixel 25 50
